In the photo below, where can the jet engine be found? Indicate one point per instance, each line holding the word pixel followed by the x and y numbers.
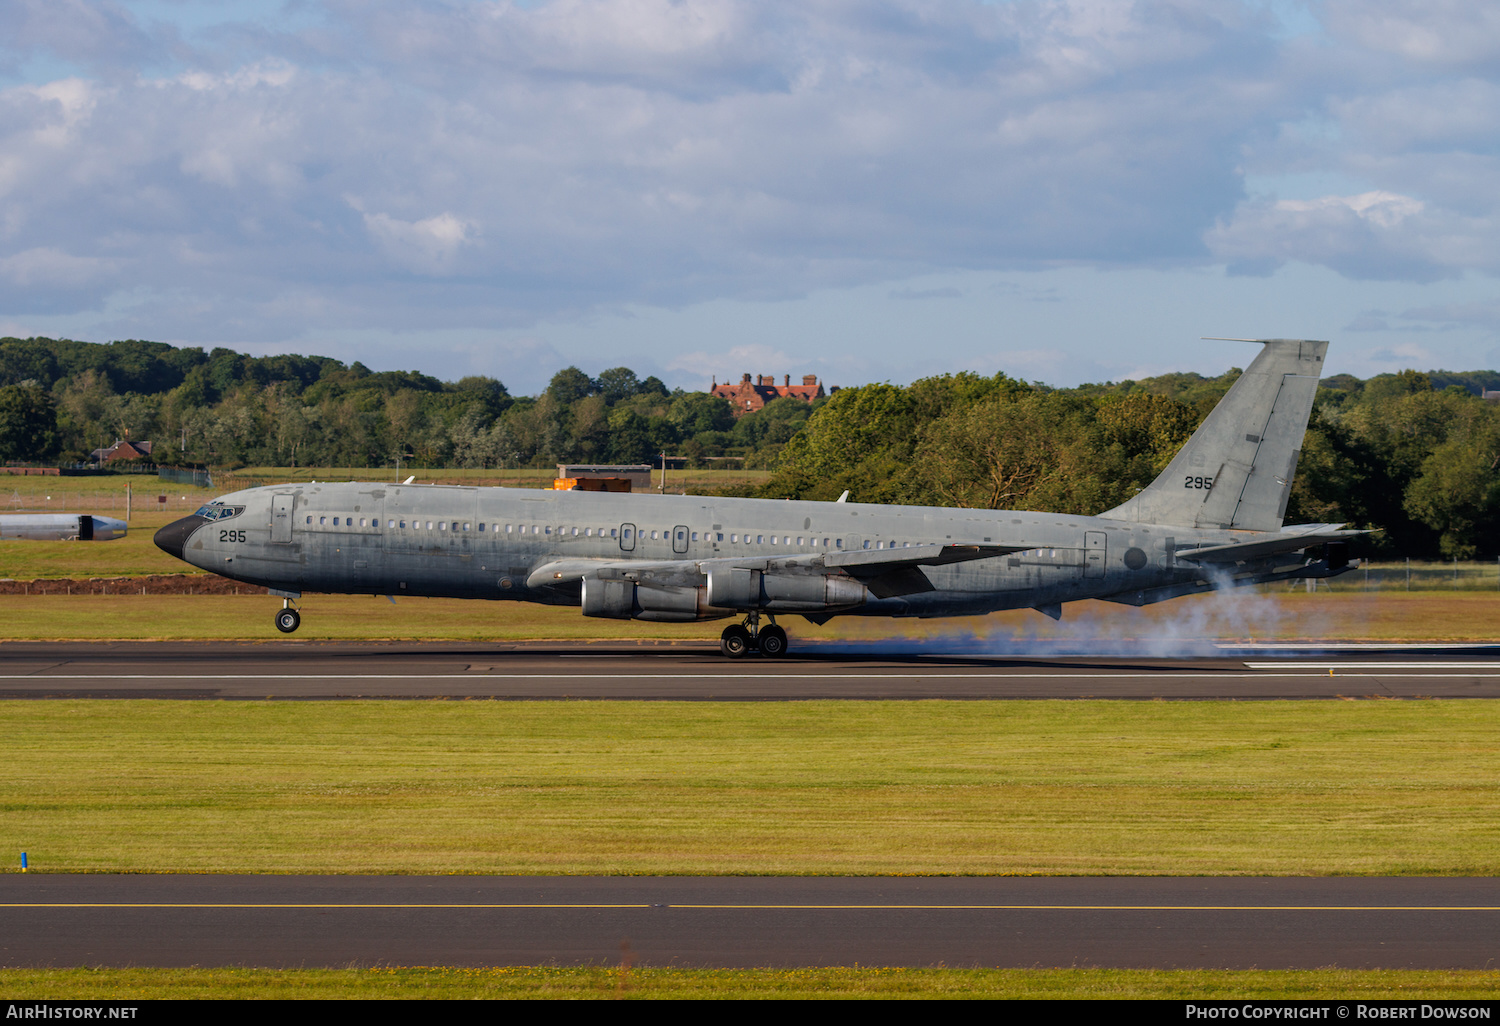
pixel 627 600
pixel 737 588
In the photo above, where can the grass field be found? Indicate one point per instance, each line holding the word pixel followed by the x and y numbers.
pixel 823 787
pixel 105 493
pixel 513 982
pixel 1160 629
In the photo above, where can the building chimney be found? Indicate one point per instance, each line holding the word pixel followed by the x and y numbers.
pixel 745 380
pixel 809 380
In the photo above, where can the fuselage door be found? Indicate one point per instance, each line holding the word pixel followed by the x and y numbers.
pixel 627 537
pixel 679 538
pixel 1094 543
pixel 281 519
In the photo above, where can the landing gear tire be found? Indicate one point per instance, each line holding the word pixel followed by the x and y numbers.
pixel 734 642
pixel 288 620
pixel 773 643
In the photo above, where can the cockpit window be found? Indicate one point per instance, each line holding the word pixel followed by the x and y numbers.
pixel 218 511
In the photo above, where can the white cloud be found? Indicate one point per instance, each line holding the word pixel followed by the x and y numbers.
pixel 1444 32
pixel 427 246
pixel 1371 235
pixel 732 363
pixel 524 165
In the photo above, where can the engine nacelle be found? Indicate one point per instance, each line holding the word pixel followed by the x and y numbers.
pixel 626 600
pixel 737 588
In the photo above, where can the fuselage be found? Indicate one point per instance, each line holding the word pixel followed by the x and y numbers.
pixel 430 540
pixel 61 527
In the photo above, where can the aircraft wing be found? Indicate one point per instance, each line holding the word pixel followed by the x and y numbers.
pixel 862 561
pixel 570 571
pixel 887 572
pixel 1285 541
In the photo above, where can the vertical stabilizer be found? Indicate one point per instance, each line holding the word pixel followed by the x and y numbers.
pixel 1236 471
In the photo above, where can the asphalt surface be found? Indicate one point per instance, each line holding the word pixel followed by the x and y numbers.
pixel 647 671
pixel 760 921
pixel 770 921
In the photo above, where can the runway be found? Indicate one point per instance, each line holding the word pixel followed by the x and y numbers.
pixel 696 672
pixel 171 920
pixel 756 921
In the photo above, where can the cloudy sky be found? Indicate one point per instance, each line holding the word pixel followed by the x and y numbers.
pixel 861 189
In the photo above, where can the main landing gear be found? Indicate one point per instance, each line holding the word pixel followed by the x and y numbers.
pixel 287 618
pixel 742 638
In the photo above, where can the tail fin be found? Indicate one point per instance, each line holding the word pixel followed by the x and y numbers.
pixel 1236 471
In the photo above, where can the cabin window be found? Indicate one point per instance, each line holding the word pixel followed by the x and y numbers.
pixel 760 539
pixel 309 520
pixel 720 536
pixel 547 529
pixel 403 525
pixel 362 521
pixel 466 526
pixel 507 528
pixel 575 532
pixel 612 531
pixel 442 525
pixel 734 537
pixel 838 543
pixel 429 525
pixel 627 534
pixel 695 536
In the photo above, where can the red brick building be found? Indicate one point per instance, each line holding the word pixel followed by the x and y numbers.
pixel 748 396
pixel 125 450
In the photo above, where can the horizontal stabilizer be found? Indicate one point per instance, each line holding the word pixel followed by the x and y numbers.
pixel 1260 548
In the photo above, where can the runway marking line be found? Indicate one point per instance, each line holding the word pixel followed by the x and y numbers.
pixel 1321 671
pixel 753 908
pixel 1374 666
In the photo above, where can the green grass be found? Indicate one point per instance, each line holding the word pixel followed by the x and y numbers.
pixel 1369 787
pixel 130 556
pixel 91 617
pixel 650 982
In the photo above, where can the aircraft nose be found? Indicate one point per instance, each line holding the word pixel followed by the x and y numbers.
pixel 173 538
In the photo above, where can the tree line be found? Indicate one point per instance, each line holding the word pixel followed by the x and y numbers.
pixel 1414 456
pixel 61 400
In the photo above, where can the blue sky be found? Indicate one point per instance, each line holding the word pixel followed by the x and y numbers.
pixel 1066 191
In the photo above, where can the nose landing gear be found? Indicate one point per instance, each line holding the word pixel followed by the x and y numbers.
pixel 742 638
pixel 287 618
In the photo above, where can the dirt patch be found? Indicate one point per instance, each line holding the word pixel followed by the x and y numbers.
pixel 151 584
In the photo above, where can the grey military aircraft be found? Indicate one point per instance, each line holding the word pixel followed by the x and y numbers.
pixel 61 527
pixel 1213 519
